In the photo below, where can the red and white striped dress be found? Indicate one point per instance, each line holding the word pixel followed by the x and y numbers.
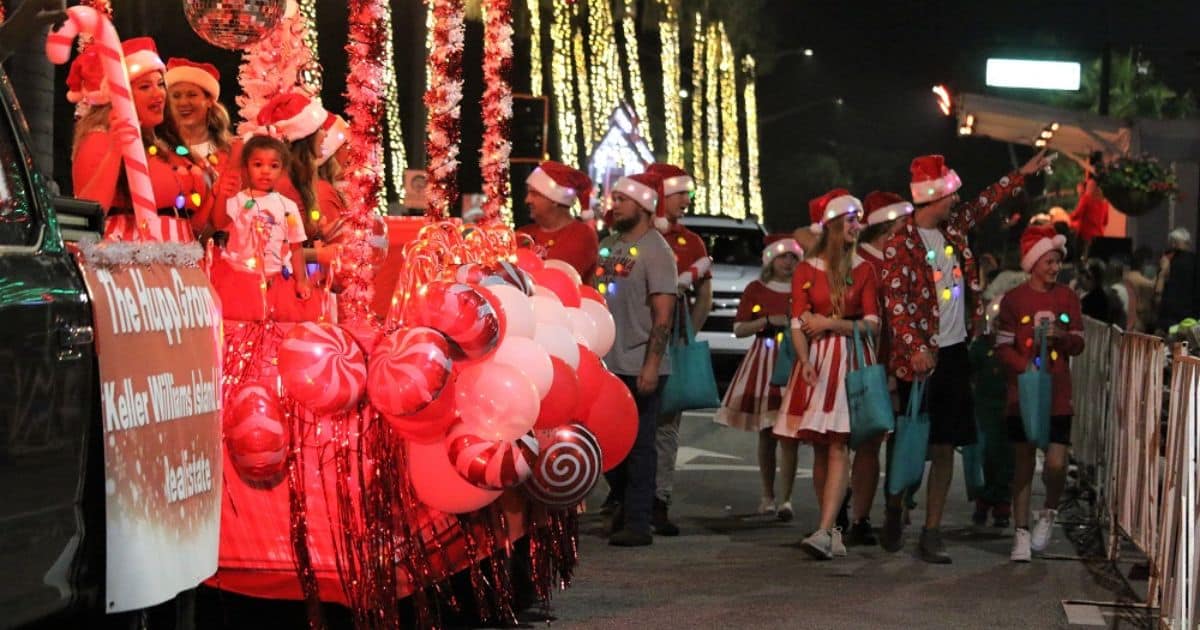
pixel 820 413
pixel 752 402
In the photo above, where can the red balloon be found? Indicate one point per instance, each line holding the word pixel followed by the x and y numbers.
pixel 558 405
pixel 255 434
pixel 430 423
pixel 613 419
pixel 529 261
pixel 589 292
pixel 560 283
pixel 590 374
pixel 460 312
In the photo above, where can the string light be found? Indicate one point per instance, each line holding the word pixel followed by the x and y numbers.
pixel 629 26
pixel 606 82
pixel 750 104
pixel 563 82
pixel 429 23
pixel 581 84
pixel 698 94
pixel 733 200
pixel 311 77
pixel 668 32
pixel 711 112
pixel 535 47
pixel 395 134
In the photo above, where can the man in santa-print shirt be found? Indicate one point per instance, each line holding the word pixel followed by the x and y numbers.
pixel 931 293
pixel 553 188
pixel 694 269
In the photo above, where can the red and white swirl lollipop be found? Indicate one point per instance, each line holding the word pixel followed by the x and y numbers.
pixel 460 312
pixel 470 273
pixel 255 435
pixel 490 464
pixel 408 370
pixel 567 468
pixel 322 367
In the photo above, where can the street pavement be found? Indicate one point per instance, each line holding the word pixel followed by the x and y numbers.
pixel 731 568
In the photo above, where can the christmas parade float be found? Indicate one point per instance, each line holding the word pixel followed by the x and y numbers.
pixel 451 425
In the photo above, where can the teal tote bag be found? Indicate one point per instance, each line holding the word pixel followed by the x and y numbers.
pixel 906 464
pixel 867 394
pixel 1035 389
pixel 785 359
pixel 691 384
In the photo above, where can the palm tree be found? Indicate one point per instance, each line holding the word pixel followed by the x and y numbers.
pixel 1134 91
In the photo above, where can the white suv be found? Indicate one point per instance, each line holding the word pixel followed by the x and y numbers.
pixel 736 249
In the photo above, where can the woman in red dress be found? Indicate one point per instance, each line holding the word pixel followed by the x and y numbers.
pixel 831 290
pixel 751 402
pixel 180 190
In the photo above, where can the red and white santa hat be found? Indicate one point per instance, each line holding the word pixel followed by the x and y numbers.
pixel 641 188
pixel 882 207
pixel 336 133
pixel 85 81
pixel 779 244
pixel 674 180
pixel 141 56
pixel 563 185
pixel 1037 241
pixel 833 204
pixel 931 179
pixel 291 116
pixel 204 75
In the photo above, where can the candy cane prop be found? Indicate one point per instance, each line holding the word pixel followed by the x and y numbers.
pixel 58 48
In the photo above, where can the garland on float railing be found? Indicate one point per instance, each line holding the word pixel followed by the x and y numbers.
pixel 443 100
pixel 497 109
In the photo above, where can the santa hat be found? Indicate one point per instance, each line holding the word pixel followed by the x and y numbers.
pixel 1037 241
pixel 778 245
pixel 831 205
pixel 641 188
pixel 882 207
pixel 336 133
pixel 205 75
pixel 563 185
pixel 674 179
pixel 931 180
pixel 85 81
pixel 141 56
pixel 291 116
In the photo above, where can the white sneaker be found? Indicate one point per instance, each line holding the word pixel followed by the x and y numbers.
pixel 819 545
pixel 1020 549
pixel 836 546
pixel 1042 529
pixel 766 505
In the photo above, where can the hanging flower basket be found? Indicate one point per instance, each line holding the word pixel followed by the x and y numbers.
pixel 1136 185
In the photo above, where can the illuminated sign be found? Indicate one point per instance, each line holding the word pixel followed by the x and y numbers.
pixel 1031 74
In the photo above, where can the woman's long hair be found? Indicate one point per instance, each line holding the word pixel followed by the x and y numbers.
pixel 838 255
pixel 303 170
pixel 95 120
pixel 216 121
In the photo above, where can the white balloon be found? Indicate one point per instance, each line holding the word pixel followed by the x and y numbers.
pixel 518 310
pixel 565 267
pixel 529 357
pixel 549 310
pixel 559 342
pixel 584 327
pixel 605 327
pixel 544 292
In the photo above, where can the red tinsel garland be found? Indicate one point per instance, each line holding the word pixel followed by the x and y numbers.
pixel 497 105
pixel 365 109
pixel 443 99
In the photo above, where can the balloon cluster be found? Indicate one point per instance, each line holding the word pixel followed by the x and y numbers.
pixel 492 376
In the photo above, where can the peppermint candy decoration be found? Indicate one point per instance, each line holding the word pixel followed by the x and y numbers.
pixel 461 313
pixel 470 273
pixel 322 367
pixel 511 274
pixel 567 468
pixel 408 370
pixel 490 464
pixel 255 434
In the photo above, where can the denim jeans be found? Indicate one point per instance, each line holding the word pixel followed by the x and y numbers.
pixel 633 481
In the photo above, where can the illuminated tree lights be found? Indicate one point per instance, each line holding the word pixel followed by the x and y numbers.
pixel 606 80
pixel 668 30
pixel 699 146
pixel 733 199
pixel 750 104
pixel 711 115
pixel 581 84
pixel 395 134
pixel 563 80
pixel 535 47
pixel 629 30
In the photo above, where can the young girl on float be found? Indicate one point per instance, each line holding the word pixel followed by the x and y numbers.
pixel 831 290
pixel 265 229
pixel 752 402
pixel 884 211
pixel 1040 301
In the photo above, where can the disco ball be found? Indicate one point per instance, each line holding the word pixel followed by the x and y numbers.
pixel 233 24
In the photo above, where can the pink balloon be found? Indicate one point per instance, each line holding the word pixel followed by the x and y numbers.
pixel 613 419
pixel 438 485
pixel 518 310
pixel 255 435
pixel 497 401
pixel 606 328
pixel 559 341
pixel 583 327
pixel 560 283
pixel 529 357
pixel 547 309
pixel 322 367
pixel 565 267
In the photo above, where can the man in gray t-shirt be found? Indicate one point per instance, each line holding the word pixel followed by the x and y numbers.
pixel 639 284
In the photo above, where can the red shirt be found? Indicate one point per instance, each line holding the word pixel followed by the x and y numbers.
pixel 759 300
pixel 1091 215
pixel 575 243
pixel 874 258
pixel 687 246
pixel 810 291
pixel 1020 311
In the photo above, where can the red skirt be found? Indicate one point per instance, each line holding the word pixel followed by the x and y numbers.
pixel 820 413
pixel 751 402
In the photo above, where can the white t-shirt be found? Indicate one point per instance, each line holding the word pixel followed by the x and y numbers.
pixel 951 290
pixel 262 231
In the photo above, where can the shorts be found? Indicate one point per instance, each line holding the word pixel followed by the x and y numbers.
pixel 1060 430
pixel 948 399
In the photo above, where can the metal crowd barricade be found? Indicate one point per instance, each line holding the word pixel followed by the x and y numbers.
pixel 1179 509
pixel 1091 386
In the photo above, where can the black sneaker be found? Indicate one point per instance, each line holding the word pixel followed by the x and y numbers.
pixel 979 516
pixel 615 521
pixel 661 522
pixel 860 534
pixel 932 549
pixel 892 537
pixel 1001 522
pixel 843 516
pixel 630 538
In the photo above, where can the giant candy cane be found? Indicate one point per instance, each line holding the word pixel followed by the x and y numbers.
pixel 58 48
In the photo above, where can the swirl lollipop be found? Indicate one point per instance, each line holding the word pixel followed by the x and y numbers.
pixel 322 367
pixel 490 464
pixel 567 468
pixel 460 312
pixel 408 370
